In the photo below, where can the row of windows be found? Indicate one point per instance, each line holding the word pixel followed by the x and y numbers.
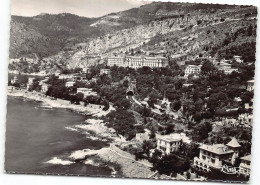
pixel 173 144
pixel 212 160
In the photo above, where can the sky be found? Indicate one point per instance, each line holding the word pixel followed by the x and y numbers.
pixel 86 8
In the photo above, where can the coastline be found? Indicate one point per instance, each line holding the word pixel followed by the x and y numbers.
pixel 113 157
pixel 122 164
pixel 89 110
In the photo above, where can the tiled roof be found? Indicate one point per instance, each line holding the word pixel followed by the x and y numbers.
pixel 234 143
pixel 217 149
pixel 246 158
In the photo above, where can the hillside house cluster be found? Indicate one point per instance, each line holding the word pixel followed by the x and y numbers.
pixel 243 121
pixel 137 61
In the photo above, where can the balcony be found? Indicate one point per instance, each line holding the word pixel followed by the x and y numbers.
pixel 206 162
pixel 244 165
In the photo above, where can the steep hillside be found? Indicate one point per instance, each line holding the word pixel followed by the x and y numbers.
pixel 172 29
pixel 187 35
pixel 25 41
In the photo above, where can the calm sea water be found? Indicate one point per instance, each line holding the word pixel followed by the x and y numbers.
pixel 35 135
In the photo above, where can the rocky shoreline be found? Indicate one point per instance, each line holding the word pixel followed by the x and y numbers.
pixel 48 102
pixel 121 162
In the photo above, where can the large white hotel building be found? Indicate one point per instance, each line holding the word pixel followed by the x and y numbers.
pixel 137 62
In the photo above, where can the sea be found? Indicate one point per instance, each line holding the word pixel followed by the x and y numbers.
pixel 36 134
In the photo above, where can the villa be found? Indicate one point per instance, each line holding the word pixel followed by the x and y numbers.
pixel 105 71
pixel 192 69
pixel 244 167
pixel 30 83
pixel 86 70
pixel 250 85
pixel 226 68
pixel 141 137
pixel 86 92
pixel 171 143
pixel 216 155
pixel 11 89
pixel 238 59
pixel 69 84
pixel 14 80
pixel 45 87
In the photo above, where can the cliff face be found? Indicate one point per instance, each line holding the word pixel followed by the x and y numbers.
pixel 137 36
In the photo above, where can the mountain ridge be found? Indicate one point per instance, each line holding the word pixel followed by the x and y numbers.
pixel 49 35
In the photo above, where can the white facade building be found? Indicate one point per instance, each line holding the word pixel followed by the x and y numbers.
pixel 30 80
pixel 69 84
pixel 250 85
pixel 192 69
pixel 86 70
pixel 213 156
pixel 86 92
pixel 171 143
pixel 45 88
pixel 14 80
pixel 141 137
pixel 116 61
pixel 226 68
pixel 105 71
pixel 244 167
pixel 138 62
pixel 238 59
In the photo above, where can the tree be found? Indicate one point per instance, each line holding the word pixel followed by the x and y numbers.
pixel 176 105
pixel 207 68
pixel 152 99
pixel 171 164
pixel 106 105
pixel 169 128
pixel 147 146
pixel 201 131
pixel 123 104
pixel 35 86
pixel 80 96
pixel 190 150
pixel 123 122
pixel 152 134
